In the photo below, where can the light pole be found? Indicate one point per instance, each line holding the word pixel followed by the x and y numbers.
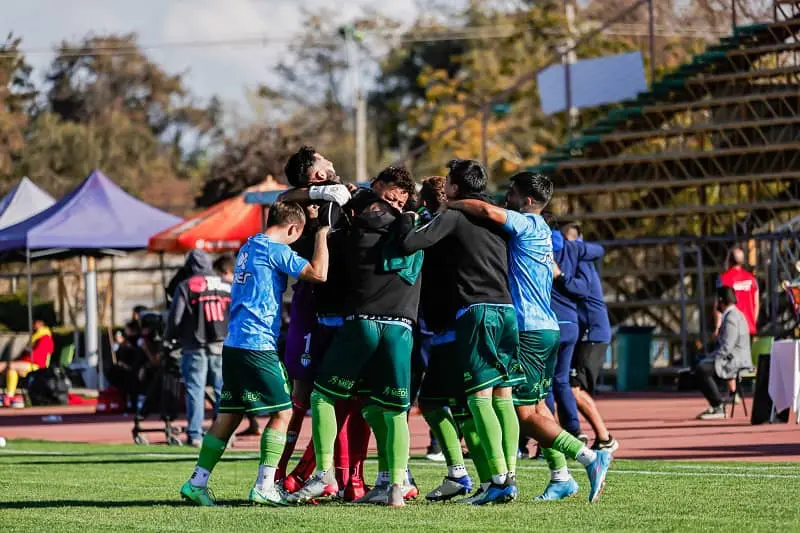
pixel 352 37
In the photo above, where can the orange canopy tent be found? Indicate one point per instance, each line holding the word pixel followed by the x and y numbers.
pixel 223 227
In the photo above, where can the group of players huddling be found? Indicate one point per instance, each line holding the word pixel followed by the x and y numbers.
pixel 464 281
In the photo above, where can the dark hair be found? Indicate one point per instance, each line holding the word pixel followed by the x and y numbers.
pixel 726 295
pixel 534 185
pixel 550 219
pixel 297 166
pixel 400 177
pixel 281 213
pixel 223 263
pixel 571 225
pixel 469 175
pixel 432 192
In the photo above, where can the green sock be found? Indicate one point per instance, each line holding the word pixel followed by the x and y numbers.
pixel 323 429
pixel 555 459
pixel 567 444
pixel 211 452
pixel 444 429
pixel 397 443
pixel 491 434
pixel 272 444
pixel 473 442
pixel 374 417
pixel 509 423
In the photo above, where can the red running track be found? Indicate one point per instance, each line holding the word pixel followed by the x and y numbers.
pixel 648 426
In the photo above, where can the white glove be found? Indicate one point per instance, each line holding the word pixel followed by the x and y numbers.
pixel 330 193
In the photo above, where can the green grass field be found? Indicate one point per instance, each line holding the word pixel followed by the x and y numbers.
pixel 80 488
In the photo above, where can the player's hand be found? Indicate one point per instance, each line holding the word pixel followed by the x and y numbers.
pixel 556 270
pixel 330 193
pixel 312 211
pixel 352 187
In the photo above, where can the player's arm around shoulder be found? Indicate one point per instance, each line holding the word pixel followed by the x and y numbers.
pixel 480 209
pixel 316 271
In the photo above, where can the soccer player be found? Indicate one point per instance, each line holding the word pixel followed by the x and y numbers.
pixel 253 377
pixel 441 397
pixel 372 350
pixel 591 351
pixel 531 278
pixel 485 326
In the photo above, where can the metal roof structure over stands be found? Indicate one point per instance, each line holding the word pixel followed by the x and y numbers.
pixel 711 152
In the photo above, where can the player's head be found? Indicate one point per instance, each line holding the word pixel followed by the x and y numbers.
pixel 464 178
pixel 38 323
pixel 529 191
pixel 285 222
pixel 571 231
pixel 394 185
pixel 726 297
pixel 223 266
pixel 307 166
pixel 737 256
pixel 432 195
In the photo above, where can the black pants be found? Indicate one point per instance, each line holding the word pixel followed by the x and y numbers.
pixel 707 381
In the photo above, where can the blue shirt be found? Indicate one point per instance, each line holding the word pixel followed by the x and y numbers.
pixel 592 310
pixel 530 268
pixel 571 288
pixel 259 281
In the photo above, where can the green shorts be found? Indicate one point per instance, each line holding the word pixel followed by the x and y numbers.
pixel 368 355
pixel 253 381
pixel 538 353
pixel 442 383
pixel 486 341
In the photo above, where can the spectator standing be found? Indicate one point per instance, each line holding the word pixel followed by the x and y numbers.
pixel 198 320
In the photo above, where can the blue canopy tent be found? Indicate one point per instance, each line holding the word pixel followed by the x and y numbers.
pixel 97 218
pixel 23 201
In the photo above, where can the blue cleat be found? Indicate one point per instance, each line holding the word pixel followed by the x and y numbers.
pixel 450 488
pixel 558 490
pixel 496 494
pixel 597 471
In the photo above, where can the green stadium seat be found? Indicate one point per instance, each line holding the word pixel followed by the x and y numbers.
pixel 750 29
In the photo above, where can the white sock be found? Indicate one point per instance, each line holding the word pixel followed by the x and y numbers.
pixel 560 474
pixel 456 471
pixel 499 479
pixel 409 477
pixel 199 477
pixel 266 477
pixel 383 478
pixel 321 473
pixel 586 456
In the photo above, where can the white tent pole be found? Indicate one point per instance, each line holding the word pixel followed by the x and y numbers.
pixel 30 289
pixel 92 331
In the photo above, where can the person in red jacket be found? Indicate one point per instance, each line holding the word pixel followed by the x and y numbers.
pixel 35 356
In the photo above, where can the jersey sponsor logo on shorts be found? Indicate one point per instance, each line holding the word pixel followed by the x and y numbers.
pixel 248 396
pixel 226 395
pixel 395 392
pixel 344 383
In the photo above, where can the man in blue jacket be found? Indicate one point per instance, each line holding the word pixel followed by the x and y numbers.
pixel 590 353
pixel 568 290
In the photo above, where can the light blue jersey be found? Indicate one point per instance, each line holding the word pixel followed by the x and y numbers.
pixel 530 265
pixel 259 281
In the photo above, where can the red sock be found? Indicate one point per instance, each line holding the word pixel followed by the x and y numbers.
pixel 308 463
pixel 341 448
pixel 292 432
pixel 358 433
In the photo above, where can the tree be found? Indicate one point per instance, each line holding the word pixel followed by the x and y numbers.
pixel 16 98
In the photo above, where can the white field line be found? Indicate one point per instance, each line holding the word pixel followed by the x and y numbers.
pixel 763 472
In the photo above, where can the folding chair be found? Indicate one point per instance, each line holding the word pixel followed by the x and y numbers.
pixel 760 345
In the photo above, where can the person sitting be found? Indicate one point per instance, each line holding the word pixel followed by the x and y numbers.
pixel 731 355
pixel 34 357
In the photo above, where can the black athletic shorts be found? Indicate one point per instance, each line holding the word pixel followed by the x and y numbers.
pixel 587 364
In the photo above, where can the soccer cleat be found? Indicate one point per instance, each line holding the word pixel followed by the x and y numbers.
pixel 478 494
pixel 597 471
pixel 496 494
pixel 293 483
pixel 435 457
pixel 558 490
pixel 410 490
pixel 355 490
pixel 395 496
pixel 450 488
pixel 511 481
pixel 271 496
pixel 583 437
pixel 610 445
pixel 318 486
pixel 201 496
pixel 376 495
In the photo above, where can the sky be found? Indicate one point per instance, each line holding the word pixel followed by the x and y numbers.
pixel 223 71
